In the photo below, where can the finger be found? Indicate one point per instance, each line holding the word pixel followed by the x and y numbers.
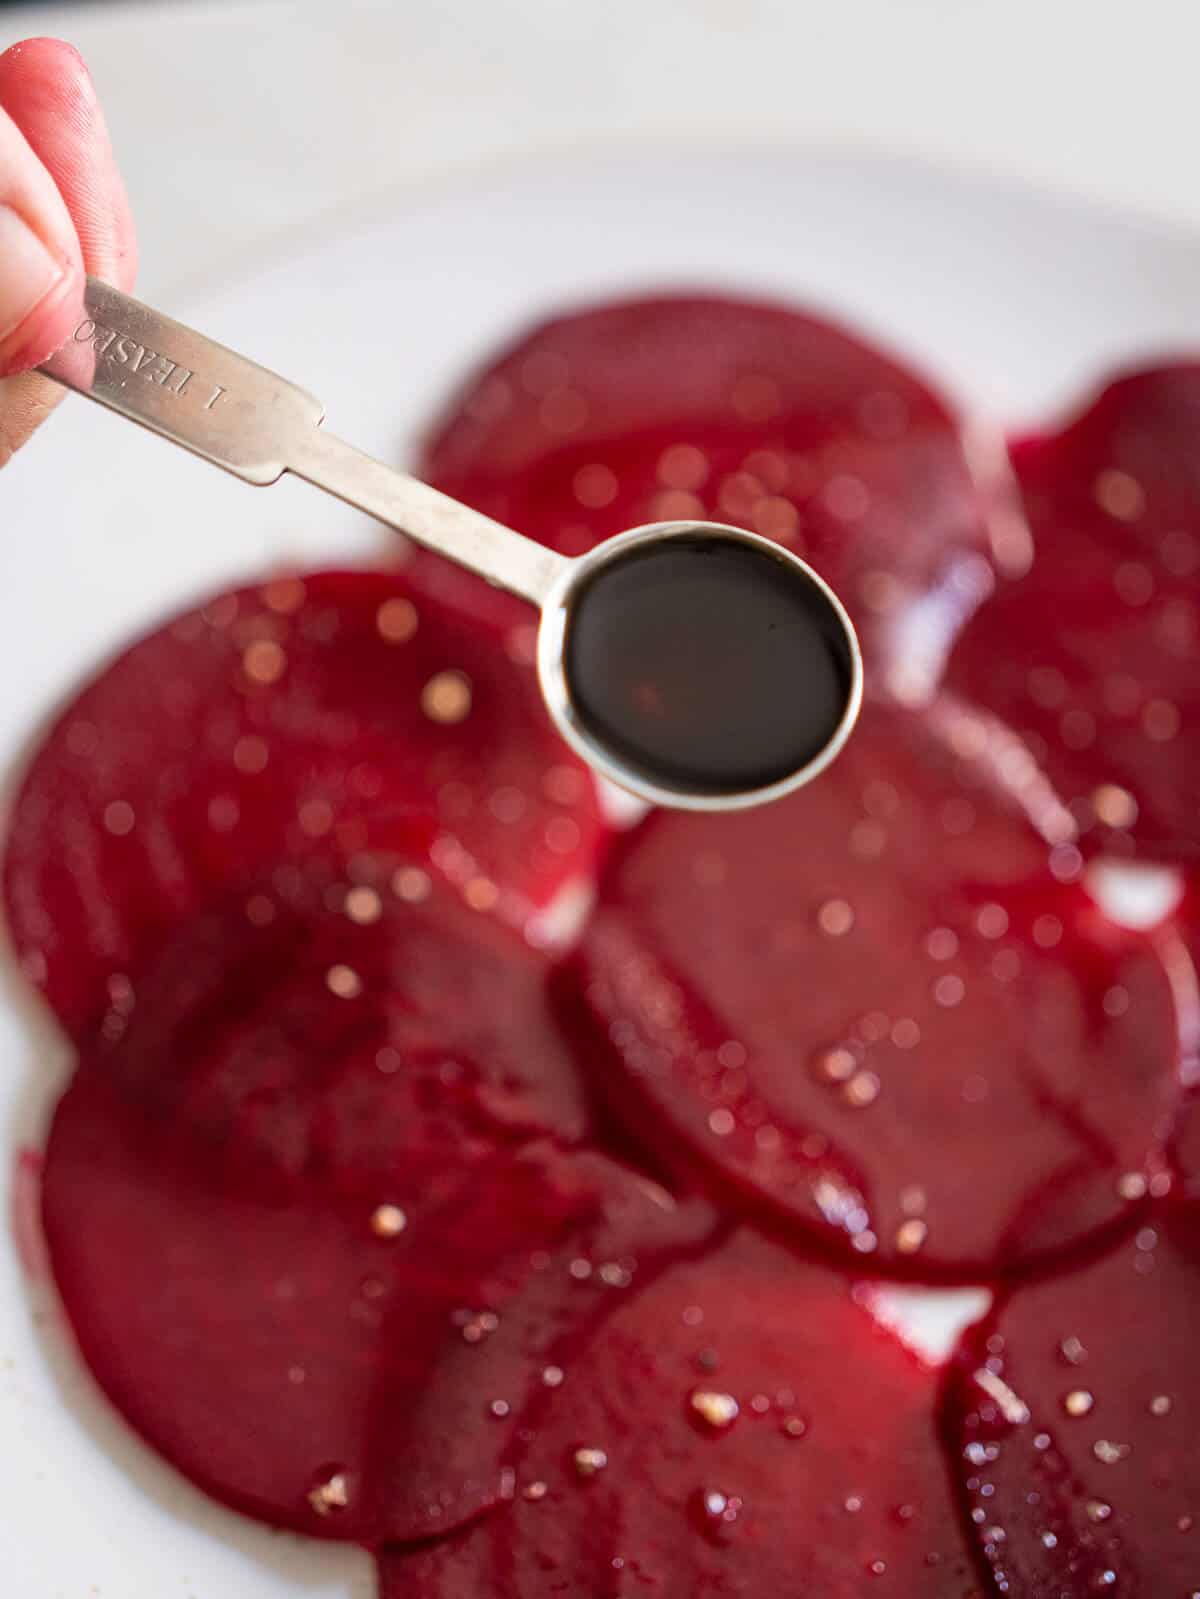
pixel 41 268
pixel 47 92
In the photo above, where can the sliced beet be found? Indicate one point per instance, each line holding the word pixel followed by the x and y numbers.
pixel 1072 1424
pixel 876 1010
pixel 293 1363
pixel 343 711
pixel 749 413
pixel 741 1426
pixel 308 1228
pixel 1092 655
pixel 314 1027
pixel 1185 1149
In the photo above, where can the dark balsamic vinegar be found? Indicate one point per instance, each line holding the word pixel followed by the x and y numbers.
pixel 708 665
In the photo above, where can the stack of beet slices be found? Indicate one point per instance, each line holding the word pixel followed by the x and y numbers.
pixel 448 1173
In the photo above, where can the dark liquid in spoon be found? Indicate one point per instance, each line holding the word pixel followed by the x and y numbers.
pixel 708 665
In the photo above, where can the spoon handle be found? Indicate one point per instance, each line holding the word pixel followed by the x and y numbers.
pixel 250 422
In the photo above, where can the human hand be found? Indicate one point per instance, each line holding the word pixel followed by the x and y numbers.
pixel 63 214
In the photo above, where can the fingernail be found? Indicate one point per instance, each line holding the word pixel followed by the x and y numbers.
pixel 28 272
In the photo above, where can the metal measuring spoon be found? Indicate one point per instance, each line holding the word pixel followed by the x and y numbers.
pixel 694 664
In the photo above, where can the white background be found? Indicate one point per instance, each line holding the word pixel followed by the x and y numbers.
pixel 239 125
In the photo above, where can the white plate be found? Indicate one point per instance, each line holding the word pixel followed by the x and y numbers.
pixel 1013 299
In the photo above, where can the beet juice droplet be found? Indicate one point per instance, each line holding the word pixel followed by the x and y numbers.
pixel 710 666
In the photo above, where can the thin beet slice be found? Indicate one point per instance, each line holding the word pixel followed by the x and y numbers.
pixel 739 1427
pixel 313 1026
pixel 1185 1149
pixel 1072 1424
pixel 346 710
pixel 749 413
pixel 1092 656
pixel 876 1010
pixel 1186 1146
pixel 307 1227
pixel 293 1363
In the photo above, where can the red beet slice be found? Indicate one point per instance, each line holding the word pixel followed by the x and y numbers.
pixel 305 1227
pixel 708 1442
pixel 876 1010
pixel 343 710
pixel 1092 656
pixel 1073 1425
pixel 736 411
pixel 1186 1147
pixel 1186 1144
pixel 316 1026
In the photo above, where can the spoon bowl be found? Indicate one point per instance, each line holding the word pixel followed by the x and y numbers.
pixel 699 666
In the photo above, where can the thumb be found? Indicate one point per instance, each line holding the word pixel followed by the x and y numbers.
pixel 41 268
